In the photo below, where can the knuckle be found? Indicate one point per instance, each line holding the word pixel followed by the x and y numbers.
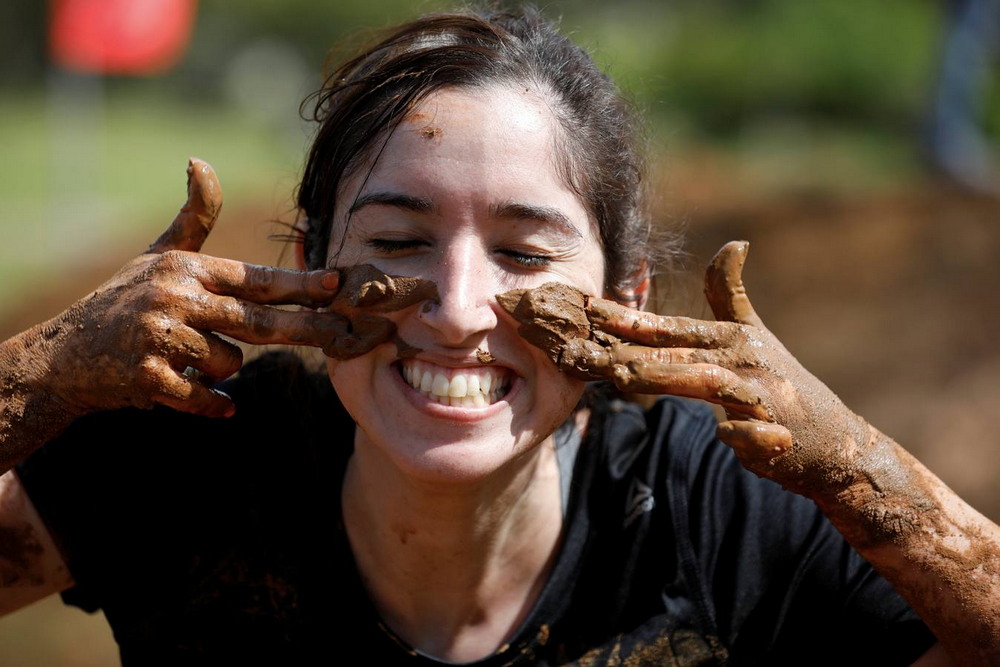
pixel 261 279
pixel 173 261
pixel 150 375
pixel 260 320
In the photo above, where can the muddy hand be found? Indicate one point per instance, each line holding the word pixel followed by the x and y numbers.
pixel 153 334
pixel 781 421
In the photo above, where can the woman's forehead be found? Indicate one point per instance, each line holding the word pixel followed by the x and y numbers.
pixel 496 143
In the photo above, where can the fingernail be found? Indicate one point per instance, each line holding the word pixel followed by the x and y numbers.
pixel 331 281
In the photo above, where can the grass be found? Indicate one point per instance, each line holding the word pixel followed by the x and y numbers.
pixel 85 172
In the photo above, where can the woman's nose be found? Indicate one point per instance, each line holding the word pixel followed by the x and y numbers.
pixel 465 312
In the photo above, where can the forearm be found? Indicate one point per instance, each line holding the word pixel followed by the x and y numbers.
pixel 939 553
pixel 30 413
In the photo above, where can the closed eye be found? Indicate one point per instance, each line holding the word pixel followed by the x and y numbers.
pixel 395 246
pixel 527 260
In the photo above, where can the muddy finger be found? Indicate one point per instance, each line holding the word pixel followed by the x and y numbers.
pixel 644 328
pixel 755 441
pixel 185 394
pixel 267 325
pixel 702 381
pixel 589 360
pixel 364 287
pixel 210 355
pixel 268 285
pixel 724 286
pixel 366 332
pixel 196 218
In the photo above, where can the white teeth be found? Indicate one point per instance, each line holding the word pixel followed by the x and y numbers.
pixel 426 381
pixel 468 388
pixel 458 387
pixel 440 386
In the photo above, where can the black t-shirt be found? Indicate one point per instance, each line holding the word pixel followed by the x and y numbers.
pixel 212 541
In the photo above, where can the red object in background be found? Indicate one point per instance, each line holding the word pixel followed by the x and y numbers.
pixel 131 37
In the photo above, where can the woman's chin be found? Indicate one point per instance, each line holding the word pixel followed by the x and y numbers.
pixel 472 460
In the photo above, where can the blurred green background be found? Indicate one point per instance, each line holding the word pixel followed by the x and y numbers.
pixel 796 124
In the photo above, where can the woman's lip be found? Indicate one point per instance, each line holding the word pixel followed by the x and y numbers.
pixel 418 400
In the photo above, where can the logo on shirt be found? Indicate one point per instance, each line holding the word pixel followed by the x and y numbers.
pixel 640 501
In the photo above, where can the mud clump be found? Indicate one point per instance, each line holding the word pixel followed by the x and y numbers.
pixel 365 290
pixel 551 315
pixel 365 287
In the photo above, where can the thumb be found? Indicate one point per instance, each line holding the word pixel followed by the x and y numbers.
pixel 724 286
pixel 196 218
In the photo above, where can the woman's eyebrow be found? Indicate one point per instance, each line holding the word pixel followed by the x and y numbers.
pixel 397 199
pixel 545 214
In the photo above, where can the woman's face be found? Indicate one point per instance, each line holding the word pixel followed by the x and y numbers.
pixel 466 193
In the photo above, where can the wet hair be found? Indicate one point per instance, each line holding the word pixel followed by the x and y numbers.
pixel 365 98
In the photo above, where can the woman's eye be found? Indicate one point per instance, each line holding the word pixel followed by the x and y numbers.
pixel 527 260
pixel 393 246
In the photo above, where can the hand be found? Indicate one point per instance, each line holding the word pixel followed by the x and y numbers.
pixel 136 339
pixel 782 422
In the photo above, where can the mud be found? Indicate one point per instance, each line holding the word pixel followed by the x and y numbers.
pixel 365 290
pixel 562 321
pixel 550 316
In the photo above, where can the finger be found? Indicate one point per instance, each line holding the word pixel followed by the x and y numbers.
pixel 196 218
pixel 265 325
pixel 365 286
pixel 724 286
pixel 755 441
pixel 265 284
pixel 703 381
pixel 188 395
pixel 595 361
pixel 366 333
pixel 644 328
pixel 209 354
pixel 172 389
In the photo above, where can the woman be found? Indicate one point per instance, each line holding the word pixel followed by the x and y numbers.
pixel 456 496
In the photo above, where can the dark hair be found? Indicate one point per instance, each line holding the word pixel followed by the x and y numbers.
pixel 364 99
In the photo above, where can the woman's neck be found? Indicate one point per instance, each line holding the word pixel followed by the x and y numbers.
pixel 453 569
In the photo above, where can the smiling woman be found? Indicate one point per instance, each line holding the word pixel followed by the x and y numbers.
pixel 464 481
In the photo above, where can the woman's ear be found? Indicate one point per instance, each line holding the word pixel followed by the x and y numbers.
pixel 640 295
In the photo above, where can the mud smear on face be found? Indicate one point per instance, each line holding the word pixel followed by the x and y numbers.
pixel 364 292
pixel 424 128
pixel 554 317
pixel 550 316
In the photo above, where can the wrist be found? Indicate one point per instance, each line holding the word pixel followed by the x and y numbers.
pixel 884 500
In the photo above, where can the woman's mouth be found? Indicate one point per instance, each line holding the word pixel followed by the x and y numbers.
pixel 458 387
